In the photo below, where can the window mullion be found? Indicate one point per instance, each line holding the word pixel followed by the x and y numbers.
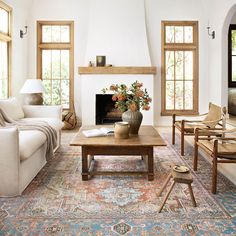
pixel 184 80
pixel 174 79
pixel 51 78
pixel 60 81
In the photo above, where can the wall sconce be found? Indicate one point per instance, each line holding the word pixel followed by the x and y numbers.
pixel 212 34
pixel 23 33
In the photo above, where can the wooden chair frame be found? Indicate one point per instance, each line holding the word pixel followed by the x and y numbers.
pixel 217 157
pixel 184 132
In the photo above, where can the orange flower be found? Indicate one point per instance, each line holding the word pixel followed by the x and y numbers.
pixel 113 87
pixel 146 107
pixel 139 93
pixel 121 97
pixel 139 85
pixel 147 100
pixel 114 98
pixel 133 107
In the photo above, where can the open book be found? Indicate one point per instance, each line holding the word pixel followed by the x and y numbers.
pixel 98 132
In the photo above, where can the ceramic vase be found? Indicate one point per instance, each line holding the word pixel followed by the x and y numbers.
pixel 134 118
pixel 122 130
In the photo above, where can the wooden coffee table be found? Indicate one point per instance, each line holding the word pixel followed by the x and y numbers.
pixel 138 145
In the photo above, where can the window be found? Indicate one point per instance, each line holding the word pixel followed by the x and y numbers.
pixel 55 61
pixel 179 67
pixel 232 56
pixel 5 50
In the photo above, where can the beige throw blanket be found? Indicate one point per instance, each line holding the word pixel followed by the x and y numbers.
pixel 42 126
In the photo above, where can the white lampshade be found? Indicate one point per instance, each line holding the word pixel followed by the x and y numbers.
pixel 33 86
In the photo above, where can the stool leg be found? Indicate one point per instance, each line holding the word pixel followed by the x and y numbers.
pixel 173 129
pixel 182 139
pixel 167 195
pixel 214 175
pixel 163 187
pixel 192 196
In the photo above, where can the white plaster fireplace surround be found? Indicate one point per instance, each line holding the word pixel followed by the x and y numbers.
pixel 123 42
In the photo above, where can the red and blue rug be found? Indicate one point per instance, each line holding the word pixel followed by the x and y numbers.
pixel 57 202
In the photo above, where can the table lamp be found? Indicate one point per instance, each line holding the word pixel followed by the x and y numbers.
pixel 34 89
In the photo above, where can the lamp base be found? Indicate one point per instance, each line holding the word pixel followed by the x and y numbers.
pixel 34 99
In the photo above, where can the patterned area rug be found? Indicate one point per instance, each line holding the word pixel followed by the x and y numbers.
pixel 57 202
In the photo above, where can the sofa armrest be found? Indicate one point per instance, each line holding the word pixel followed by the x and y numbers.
pixel 33 111
pixel 9 161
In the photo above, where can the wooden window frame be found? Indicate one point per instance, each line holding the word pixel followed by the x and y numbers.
pixel 60 46
pixel 7 37
pixel 183 47
pixel 231 84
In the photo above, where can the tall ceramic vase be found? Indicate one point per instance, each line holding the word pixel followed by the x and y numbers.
pixel 134 118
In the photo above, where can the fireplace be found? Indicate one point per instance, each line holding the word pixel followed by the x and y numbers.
pixel 105 110
pixel 123 48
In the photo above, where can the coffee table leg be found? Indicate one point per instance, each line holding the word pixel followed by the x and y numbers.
pixel 84 164
pixel 150 165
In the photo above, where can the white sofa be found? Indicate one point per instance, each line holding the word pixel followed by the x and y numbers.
pixel 23 153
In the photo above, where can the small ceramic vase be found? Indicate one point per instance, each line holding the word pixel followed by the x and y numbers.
pixel 122 130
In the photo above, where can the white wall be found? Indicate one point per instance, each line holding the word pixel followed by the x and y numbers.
pixel 19 45
pixel 76 10
pixel 233 20
pixel 156 10
pixel 220 14
pixel 159 10
pixel 117 29
pixel 212 65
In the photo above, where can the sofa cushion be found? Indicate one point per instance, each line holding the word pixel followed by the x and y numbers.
pixel 29 142
pixel 12 108
pixel 53 122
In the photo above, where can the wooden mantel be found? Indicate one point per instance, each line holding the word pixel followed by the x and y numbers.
pixel 118 70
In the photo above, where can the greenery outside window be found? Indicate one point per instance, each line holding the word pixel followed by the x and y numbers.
pixel 5 50
pixel 179 67
pixel 55 61
pixel 232 56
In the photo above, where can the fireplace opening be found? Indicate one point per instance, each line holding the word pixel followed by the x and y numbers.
pixel 105 110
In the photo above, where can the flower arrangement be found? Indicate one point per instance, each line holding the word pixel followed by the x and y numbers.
pixel 133 97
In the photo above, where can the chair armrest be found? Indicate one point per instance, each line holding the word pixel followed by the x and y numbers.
pixel 214 134
pixel 34 111
pixel 214 131
pixel 9 161
pixel 219 138
pixel 193 121
pixel 183 117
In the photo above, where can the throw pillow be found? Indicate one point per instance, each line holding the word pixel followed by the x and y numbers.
pixel 12 108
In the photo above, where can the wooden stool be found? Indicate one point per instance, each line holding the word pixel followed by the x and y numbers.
pixel 183 178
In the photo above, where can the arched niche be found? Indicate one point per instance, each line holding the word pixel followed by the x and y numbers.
pixel 225 91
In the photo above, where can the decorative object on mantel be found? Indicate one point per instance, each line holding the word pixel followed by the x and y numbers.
pixel 100 61
pixel 130 100
pixel 122 130
pixel 33 88
pixel 90 64
pixel 142 70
